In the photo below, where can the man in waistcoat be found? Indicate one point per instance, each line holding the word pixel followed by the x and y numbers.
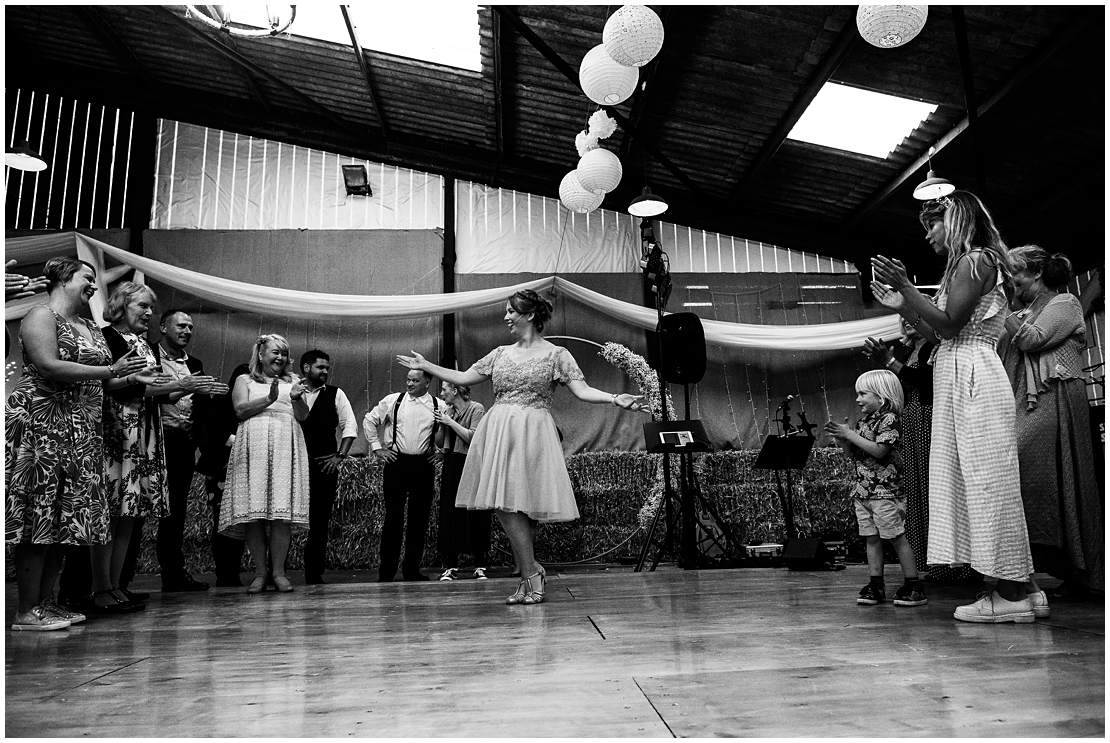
pixel 406 446
pixel 329 410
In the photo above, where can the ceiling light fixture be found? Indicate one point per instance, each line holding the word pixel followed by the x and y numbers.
pixel 647 204
pixel 22 157
pixel 278 18
pixel 355 181
pixel 933 187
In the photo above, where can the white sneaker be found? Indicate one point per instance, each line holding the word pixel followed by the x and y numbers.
pixel 993 609
pixel 450 574
pixel 1039 600
pixel 72 617
pixel 38 620
pixel 480 573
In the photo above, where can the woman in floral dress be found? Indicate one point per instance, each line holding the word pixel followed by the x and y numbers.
pixel 515 465
pixel 975 507
pixel 54 459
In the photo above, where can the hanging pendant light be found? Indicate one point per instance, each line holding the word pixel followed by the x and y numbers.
pixel 22 157
pixel 575 197
pixel 889 26
pixel 633 35
pixel 599 170
pixel 605 82
pixel 933 187
pixel 647 204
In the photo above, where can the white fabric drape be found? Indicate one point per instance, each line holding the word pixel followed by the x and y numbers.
pixel 313 305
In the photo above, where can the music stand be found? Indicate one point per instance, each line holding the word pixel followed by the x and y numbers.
pixel 785 453
pixel 676 437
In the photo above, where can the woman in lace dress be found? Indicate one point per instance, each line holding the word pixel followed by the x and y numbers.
pixel 975 508
pixel 515 465
pixel 1041 351
pixel 267 476
pixel 54 458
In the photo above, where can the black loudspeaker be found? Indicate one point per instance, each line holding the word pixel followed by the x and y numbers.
pixel 806 554
pixel 683 348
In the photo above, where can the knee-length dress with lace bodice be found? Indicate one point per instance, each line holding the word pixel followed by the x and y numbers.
pixel 54 452
pixel 267 473
pixel 516 460
pixel 975 507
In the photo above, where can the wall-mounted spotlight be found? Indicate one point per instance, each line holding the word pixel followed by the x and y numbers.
pixel 355 180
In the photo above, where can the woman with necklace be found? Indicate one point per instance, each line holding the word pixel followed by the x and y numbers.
pixel 54 457
pixel 515 465
pixel 1041 349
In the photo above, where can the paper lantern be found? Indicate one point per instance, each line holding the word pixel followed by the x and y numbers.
pixel 888 26
pixel 599 171
pixel 633 35
pixel 576 198
pixel 605 82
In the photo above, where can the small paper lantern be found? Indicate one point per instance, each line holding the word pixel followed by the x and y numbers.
pixel 888 26
pixel 633 35
pixel 576 198
pixel 605 82
pixel 599 171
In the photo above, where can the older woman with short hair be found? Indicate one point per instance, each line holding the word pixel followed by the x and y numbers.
pixel 267 476
pixel 54 463
pixel 1041 351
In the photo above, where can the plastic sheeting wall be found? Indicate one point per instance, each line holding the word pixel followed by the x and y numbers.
pixel 216 180
pixel 502 231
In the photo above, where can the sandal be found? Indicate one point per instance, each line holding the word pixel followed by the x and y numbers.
pixel 534 596
pixel 517 597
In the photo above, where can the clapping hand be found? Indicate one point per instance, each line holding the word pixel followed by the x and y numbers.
pixel 151 375
pixel 204 385
pixel 877 351
pixel 887 297
pixel 128 364
pixel 18 286
pixel 298 390
pixel 890 272
pixel 838 431
pixel 273 394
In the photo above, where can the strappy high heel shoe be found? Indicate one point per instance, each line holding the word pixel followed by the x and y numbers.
pixel 534 596
pixel 517 597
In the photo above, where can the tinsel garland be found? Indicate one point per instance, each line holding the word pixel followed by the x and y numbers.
pixel 647 379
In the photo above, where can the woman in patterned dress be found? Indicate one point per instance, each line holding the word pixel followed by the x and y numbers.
pixel 266 496
pixel 134 453
pixel 1041 352
pixel 975 507
pixel 515 465
pixel 54 459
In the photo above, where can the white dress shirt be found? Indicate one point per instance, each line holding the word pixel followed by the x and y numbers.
pixel 414 424
pixel 343 409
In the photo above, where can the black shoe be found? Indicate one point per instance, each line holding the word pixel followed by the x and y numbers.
pixel 871 594
pixel 116 607
pixel 137 596
pixel 316 580
pixel 416 577
pixel 185 583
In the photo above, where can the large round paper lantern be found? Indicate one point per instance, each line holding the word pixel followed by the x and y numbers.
pixel 888 26
pixel 599 171
pixel 576 198
pixel 605 82
pixel 633 35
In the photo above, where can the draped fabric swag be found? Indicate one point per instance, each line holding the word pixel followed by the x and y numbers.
pixel 314 305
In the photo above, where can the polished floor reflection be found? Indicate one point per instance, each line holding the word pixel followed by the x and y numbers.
pixel 613 653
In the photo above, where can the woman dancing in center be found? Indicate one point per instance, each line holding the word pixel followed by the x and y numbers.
pixel 515 465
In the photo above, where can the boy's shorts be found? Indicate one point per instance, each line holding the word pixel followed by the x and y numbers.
pixel 883 516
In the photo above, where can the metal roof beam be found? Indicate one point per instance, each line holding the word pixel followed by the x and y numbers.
pixel 560 64
pixel 367 74
pixel 824 72
pixel 498 86
pixel 99 24
pixel 247 64
pixel 1082 20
